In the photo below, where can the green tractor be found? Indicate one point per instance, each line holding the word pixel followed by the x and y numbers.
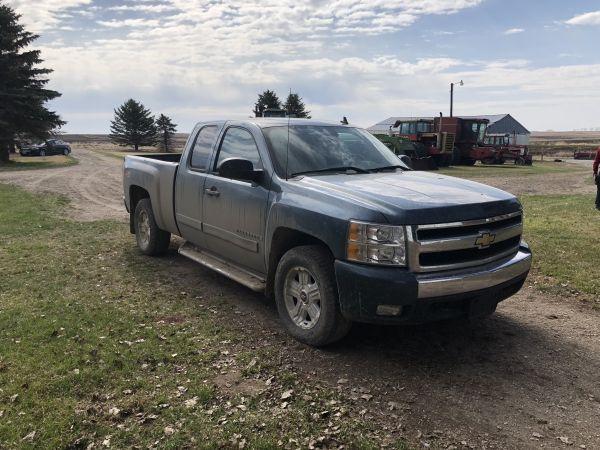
pixel 416 151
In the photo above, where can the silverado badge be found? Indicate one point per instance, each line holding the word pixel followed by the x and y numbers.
pixel 485 239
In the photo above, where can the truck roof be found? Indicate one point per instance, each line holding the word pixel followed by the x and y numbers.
pixel 265 122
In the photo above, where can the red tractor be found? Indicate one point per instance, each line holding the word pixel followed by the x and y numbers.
pixel 468 142
pixel 505 151
pixel 420 140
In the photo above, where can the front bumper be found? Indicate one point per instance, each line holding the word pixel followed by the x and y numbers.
pixel 427 297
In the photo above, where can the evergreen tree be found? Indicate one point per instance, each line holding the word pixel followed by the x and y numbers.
pixel 267 100
pixel 22 87
pixel 294 106
pixel 133 125
pixel 166 129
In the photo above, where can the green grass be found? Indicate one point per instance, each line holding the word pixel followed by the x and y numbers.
pixel 97 340
pixel 482 170
pixel 563 232
pixel 37 162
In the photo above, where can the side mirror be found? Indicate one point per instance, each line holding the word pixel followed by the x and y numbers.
pixel 239 169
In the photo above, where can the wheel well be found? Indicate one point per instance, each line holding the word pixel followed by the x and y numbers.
pixel 285 239
pixel 136 193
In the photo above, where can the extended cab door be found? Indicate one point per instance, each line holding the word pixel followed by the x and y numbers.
pixel 234 211
pixel 189 183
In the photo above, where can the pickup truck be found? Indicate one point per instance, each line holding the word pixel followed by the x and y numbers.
pixel 328 222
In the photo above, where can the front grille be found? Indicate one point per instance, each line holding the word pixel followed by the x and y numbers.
pixel 449 246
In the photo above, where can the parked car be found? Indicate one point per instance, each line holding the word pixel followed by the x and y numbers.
pixel 47 148
pixel 331 224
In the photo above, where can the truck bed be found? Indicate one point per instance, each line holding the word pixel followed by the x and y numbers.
pixel 155 173
pixel 168 157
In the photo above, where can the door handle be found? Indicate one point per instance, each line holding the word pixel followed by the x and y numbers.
pixel 212 191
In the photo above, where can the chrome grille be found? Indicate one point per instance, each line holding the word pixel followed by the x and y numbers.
pixel 456 245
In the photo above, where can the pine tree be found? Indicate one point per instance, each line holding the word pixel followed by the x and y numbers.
pixel 22 87
pixel 166 129
pixel 294 106
pixel 133 125
pixel 267 100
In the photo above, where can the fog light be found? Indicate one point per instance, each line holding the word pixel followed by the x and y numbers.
pixel 389 310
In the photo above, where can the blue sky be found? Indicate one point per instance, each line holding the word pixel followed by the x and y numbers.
pixel 201 59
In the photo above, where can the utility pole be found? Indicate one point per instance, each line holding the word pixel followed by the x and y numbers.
pixel 452 95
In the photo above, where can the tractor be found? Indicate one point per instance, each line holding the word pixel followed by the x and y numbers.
pixel 506 151
pixel 416 138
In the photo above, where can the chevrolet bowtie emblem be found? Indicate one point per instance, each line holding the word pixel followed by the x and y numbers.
pixel 485 239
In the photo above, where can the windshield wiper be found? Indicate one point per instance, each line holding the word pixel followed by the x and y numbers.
pixel 332 169
pixel 380 169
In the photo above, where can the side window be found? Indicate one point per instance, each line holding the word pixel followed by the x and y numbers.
pixel 238 143
pixel 203 147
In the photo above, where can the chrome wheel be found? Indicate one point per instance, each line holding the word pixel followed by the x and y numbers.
pixel 302 297
pixel 144 228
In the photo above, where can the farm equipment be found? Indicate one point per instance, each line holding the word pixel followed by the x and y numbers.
pixel 468 142
pixel 417 139
pixel 505 151
pixel 579 154
pixel 440 141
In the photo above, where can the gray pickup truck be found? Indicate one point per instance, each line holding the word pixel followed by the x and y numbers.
pixel 326 220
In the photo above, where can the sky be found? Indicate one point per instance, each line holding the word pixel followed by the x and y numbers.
pixel 196 60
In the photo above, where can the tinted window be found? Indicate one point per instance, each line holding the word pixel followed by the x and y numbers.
pixel 239 143
pixel 203 147
pixel 314 147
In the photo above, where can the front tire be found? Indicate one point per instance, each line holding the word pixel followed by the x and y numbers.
pixel 151 240
pixel 307 298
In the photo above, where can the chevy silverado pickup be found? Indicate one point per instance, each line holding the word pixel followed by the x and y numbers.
pixel 328 222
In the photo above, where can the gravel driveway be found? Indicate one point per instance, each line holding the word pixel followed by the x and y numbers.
pixel 94 185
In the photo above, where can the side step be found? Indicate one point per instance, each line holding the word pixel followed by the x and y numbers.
pixel 230 271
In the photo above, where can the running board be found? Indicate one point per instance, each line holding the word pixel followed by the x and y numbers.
pixel 230 271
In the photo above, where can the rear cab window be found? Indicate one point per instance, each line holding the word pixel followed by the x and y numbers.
pixel 203 146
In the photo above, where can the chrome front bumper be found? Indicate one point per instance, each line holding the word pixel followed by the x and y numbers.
pixel 459 282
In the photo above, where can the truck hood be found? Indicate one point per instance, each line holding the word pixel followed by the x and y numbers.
pixel 413 197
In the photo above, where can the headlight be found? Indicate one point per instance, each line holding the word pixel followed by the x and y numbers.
pixel 376 244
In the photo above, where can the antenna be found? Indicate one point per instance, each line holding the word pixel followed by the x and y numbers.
pixel 287 151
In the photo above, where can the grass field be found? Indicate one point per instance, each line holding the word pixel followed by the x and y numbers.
pixel 483 170
pixel 564 231
pixel 100 345
pixel 18 162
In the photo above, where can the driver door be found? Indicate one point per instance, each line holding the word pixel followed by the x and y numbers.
pixel 234 210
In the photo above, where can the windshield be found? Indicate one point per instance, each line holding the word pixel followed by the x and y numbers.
pixel 318 148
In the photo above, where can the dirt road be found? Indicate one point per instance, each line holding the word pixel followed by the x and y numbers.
pixel 527 378
pixel 94 185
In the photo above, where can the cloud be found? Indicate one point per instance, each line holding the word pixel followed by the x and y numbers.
pixel 514 31
pixel 142 8
pixel 203 59
pixel 591 18
pixel 128 23
pixel 43 14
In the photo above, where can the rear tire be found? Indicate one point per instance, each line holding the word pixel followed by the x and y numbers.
pixel 307 298
pixel 151 240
